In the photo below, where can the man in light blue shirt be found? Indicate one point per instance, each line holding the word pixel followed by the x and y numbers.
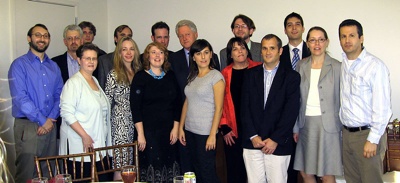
pixel 365 106
pixel 35 86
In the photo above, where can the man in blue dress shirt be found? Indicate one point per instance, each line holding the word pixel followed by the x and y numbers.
pixel 35 86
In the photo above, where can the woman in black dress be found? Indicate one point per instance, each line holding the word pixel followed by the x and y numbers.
pixel 155 104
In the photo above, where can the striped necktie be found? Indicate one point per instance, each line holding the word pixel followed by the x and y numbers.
pixel 296 58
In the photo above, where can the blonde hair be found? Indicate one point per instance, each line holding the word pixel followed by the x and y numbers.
pixel 119 66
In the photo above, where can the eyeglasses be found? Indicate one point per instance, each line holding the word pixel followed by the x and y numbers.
pixel 320 40
pixel 244 26
pixel 44 36
pixel 71 39
pixel 90 58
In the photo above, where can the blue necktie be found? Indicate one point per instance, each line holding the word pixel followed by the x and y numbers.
pixel 296 58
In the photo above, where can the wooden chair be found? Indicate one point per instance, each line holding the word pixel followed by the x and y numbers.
pixel 59 164
pixel 110 151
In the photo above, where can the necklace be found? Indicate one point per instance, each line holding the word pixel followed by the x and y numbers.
pixel 155 76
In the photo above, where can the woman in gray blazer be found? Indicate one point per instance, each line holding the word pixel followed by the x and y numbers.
pixel 317 130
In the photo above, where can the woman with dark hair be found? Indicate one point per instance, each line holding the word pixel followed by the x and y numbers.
pixel 156 105
pixel 201 112
pixel 239 60
pixel 85 112
pixel 318 128
pixel 117 89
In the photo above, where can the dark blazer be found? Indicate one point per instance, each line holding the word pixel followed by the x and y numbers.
pixel 255 51
pixel 277 119
pixel 285 57
pixel 328 88
pixel 61 61
pixel 181 69
pixel 104 66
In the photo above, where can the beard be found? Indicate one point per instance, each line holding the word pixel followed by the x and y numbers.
pixel 36 47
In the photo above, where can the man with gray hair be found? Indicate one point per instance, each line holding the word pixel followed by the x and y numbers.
pixel 68 62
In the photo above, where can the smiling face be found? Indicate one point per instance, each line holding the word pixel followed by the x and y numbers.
pixel 88 62
pixel 186 36
pixel 242 30
pixel 40 39
pixel 317 42
pixel 239 53
pixel 156 58
pixel 72 40
pixel 127 51
pixel 294 29
pixel 203 58
pixel 270 52
pixel 350 41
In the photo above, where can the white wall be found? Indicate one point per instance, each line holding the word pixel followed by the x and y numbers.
pixel 213 19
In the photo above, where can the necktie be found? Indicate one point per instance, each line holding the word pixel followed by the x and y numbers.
pixel 296 58
pixel 187 59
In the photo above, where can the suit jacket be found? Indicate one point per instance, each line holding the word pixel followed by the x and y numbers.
pixel 285 57
pixel 181 69
pixel 328 88
pixel 104 66
pixel 62 62
pixel 255 54
pixel 275 119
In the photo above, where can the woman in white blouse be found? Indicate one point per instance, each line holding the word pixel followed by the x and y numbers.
pixel 85 110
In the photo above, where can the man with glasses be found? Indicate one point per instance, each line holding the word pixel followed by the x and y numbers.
pixel 68 62
pixel 35 86
pixel 243 27
pixel 106 62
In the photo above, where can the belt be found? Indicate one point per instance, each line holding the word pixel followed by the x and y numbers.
pixel 356 129
pixel 22 118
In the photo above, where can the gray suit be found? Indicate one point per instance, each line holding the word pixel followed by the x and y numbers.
pixel 255 51
pixel 328 87
pixel 104 66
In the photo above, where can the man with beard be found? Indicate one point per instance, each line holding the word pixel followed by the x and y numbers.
pixel 68 62
pixel 242 26
pixel 35 86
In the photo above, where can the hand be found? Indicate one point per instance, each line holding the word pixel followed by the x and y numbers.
pixel 369 149
pixel 182 138
pixel 210 143
pixel 229 138
pixel 257 142
pixel 269 147
pixel 295 137
pixel 41 131
pixel 173 136
pixel 87 142
pixel 141 142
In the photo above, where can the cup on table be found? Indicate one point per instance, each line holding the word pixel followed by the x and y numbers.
pixel 63 178
pixel 179 179
pixel 128 173
pixel 40 180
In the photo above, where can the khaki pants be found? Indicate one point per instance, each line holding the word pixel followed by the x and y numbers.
pixel 358 169
pixel 28 145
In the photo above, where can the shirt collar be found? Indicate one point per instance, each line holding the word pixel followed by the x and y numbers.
pixel 274 70
pixel 300 46
pixel 32 57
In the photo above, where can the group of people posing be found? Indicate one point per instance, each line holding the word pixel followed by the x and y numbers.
pixel 280 109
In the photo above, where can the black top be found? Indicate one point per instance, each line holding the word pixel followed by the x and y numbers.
pixel 236 93
pixel 155 102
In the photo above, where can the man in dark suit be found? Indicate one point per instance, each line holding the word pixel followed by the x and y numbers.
pixel 270 105
pixel 186 31
pixel 106 64
pixel 242 26
pixel 294 29
pixel 68 62
pixel 160 34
